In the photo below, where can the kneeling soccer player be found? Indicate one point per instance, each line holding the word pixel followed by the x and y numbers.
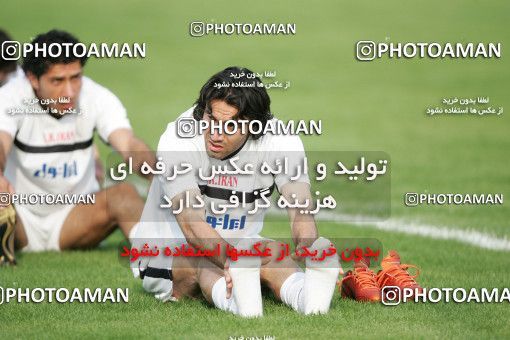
pixel 233 286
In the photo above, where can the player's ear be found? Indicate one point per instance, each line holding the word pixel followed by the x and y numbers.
pixel 34 81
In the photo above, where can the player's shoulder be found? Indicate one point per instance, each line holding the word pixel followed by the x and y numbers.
pixel 16 89
pixel 171 140
pixel 96 99
pixel 278 141
pixel 92 90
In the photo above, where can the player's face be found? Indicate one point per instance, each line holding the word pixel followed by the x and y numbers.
pixel 221 145
pixel 60 81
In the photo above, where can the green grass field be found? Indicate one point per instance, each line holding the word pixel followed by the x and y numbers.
pixel 365 106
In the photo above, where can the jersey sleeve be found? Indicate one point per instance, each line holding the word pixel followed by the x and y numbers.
pixel 178 152
pixel 9 122
pixel 111 114
pixel 288 148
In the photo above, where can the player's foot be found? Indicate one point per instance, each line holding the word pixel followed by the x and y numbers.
pixel 7 224
pixel 360 284
pixel 393 273
pixel 320 278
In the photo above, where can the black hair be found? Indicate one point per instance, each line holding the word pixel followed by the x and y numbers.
pixel 6 65
pixel 39 65
pixel 251 99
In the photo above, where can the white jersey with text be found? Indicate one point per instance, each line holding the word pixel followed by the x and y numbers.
pixel 55 156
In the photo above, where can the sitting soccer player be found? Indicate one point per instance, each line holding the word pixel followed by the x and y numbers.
pixel 52 153
pixel 233 286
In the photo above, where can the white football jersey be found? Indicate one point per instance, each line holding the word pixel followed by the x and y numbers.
pixel 52 155
pixel 157 222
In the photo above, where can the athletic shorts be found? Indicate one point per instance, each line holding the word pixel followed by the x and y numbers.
pixel 43 232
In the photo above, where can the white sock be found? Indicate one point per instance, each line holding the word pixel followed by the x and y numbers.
pixel 320 279
pixel 245 273
pixel 292 292
pixel 219 296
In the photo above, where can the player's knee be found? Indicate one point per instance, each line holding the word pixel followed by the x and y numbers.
pixel 125 195
pixel 125 190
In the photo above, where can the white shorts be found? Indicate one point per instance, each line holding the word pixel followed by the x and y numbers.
pixel 43 232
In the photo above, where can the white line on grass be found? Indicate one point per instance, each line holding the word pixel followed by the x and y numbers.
pixel 466 236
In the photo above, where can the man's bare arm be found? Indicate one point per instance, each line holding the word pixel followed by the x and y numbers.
pixel 98 165
pixel 129 146
pixel 197 231
pixel 303 227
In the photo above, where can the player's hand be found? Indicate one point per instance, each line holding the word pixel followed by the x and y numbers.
pixel 228 278
pixel 305 243
pixel 308 244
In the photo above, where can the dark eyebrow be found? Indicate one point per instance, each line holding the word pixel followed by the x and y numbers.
pixel 76 75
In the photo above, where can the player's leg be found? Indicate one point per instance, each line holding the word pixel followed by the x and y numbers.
pixel 309 292
pixel 208 274
pixel 283 277
pixel 242 278
pixel 181 281
pixel 87 225
pixel 185 277
pixel 274 272
pixel 213 286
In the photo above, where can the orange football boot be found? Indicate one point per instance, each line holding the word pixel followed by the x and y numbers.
pixel 360 283
pixel 393 273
